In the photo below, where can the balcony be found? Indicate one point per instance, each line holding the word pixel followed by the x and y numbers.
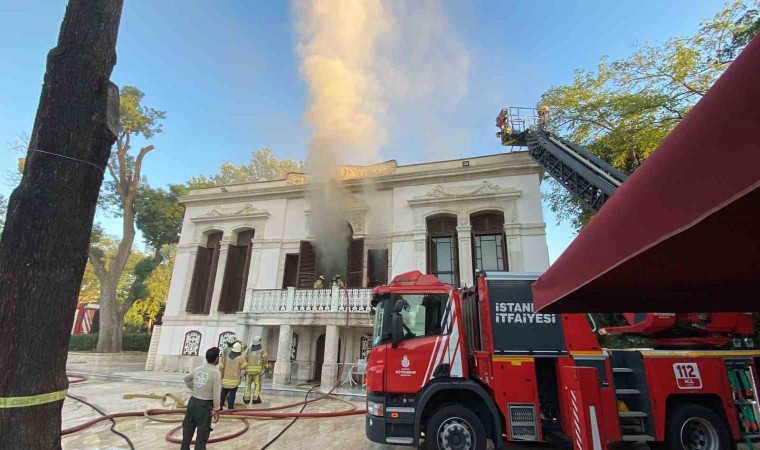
pixel 307 300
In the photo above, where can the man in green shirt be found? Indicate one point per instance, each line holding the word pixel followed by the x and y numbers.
pixel 206 383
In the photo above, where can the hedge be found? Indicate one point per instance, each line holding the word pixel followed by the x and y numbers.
pixel 132 342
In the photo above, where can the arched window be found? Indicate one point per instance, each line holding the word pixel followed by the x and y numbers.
pixel 223 339
pixel 443 254
pixel 236 273
pixel 488 244
pixel 192 343
pixel 204 274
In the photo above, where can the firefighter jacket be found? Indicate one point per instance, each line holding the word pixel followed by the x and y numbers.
pixel 256 359
pixel 233 368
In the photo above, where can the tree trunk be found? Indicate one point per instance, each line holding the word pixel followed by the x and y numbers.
pixel 43 250
pixel 111 321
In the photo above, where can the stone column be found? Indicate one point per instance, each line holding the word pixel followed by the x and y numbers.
pixel 303 356
pixel 420 250
pixel 514 247
pixel 219 280
pixel 282 366
pixel 464 238
pixel 330 366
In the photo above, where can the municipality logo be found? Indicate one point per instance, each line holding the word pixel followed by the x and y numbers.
pixel 405 362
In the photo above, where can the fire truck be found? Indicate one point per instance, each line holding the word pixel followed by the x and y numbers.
pixel 463 366
pixel 457 367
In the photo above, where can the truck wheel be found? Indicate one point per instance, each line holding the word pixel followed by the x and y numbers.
pixel 455 427
pixel 694 427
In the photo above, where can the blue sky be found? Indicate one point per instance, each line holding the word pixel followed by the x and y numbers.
pixel 227 72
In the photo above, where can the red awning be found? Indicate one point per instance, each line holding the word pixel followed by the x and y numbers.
pixel 682 234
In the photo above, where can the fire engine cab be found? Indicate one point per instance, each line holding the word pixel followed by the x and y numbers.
pixel 458 367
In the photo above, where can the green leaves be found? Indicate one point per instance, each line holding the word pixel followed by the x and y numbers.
pixel 159 214
pixel 264 166
pixel 625 108
pixel 136 119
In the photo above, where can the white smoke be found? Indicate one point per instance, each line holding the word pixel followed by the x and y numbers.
pixel 365 64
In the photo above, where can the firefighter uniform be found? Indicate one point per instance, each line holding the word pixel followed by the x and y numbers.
pixel 256 359
pixel 234 367
pixel 231 340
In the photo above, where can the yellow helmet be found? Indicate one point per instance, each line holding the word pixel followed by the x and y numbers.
pixel 543 108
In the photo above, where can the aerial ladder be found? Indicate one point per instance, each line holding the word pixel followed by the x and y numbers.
pixel 593 181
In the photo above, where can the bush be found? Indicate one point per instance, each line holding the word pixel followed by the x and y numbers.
pixel 134 342
pixel 83 342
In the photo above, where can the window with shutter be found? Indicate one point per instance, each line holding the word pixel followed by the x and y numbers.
pixel 489 245
pixel 377 267
pixel 355 263
pixel 443 248
pixel 289 278
pixel 199 282
pixel 236 274
pixel 215 248
pixel 307 265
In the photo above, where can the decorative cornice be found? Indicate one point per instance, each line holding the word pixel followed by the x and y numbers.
pixel 218 213
pixel 515 163
pixel 485 191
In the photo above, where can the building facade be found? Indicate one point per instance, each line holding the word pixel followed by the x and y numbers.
pixel 246 261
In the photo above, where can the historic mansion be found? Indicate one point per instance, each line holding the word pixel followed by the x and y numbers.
pixel 246 265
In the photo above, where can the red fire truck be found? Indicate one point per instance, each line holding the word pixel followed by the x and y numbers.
pixel 457 367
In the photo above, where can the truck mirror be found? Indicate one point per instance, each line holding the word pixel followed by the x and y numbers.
pixel 398 306
pixel 397 330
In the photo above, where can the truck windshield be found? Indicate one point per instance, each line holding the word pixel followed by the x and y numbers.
pixel 422 314
pixel 377 334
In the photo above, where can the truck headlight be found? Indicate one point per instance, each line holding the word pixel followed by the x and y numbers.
pixel 376 409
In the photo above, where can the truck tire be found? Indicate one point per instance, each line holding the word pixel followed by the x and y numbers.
pixel 454 427
pixel 694 427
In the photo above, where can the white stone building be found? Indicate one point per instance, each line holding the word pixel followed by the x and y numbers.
pixel 245 263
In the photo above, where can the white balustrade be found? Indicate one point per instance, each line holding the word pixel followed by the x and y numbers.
pixel 307 300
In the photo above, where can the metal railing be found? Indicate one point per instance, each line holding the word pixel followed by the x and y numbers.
pixel 307 300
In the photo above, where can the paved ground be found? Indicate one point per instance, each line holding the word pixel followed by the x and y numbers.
pixel 106 390
pixel 345 432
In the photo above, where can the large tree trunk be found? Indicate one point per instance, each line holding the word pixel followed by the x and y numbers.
pixel 111 320
pixel 43 250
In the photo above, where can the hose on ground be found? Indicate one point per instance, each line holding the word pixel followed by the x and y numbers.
pixel 268 413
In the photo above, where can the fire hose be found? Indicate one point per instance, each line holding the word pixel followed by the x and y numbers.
pixel 267 413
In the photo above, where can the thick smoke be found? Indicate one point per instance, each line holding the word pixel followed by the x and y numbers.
pixel 360 59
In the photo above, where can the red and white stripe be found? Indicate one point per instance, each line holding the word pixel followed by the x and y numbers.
pixel 447 349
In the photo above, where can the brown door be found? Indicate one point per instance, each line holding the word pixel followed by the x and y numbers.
pixel 290 278
pixel 319 357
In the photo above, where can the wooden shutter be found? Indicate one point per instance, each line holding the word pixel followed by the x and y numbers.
pixel 307 265
pixel 230 290
pixel 377 267
pixel 247 252
pixel 355 263
pixel 198 283
pixel 214 263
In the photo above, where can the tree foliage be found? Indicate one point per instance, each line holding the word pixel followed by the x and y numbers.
pixel 622 110
pixel 264 166
pixel 159 214
pixel 120 196
pixel 157 284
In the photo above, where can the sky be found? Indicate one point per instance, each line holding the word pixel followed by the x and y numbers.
pixel 227 73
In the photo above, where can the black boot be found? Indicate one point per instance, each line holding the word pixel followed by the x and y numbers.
pixel 256 401
pixel 246 400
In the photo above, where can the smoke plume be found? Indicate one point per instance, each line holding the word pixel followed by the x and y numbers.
pixel 366 63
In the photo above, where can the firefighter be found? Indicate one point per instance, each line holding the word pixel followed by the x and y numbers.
pixel 256 360
pixel 234 367
pixel 320 283
pixel 230 341
pixel 338 282
pixel 543 116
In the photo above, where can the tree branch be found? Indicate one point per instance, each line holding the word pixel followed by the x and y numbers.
pixel 138 165
pixel 97 264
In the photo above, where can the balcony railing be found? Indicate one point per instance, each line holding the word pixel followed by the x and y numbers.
pixel 307 300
